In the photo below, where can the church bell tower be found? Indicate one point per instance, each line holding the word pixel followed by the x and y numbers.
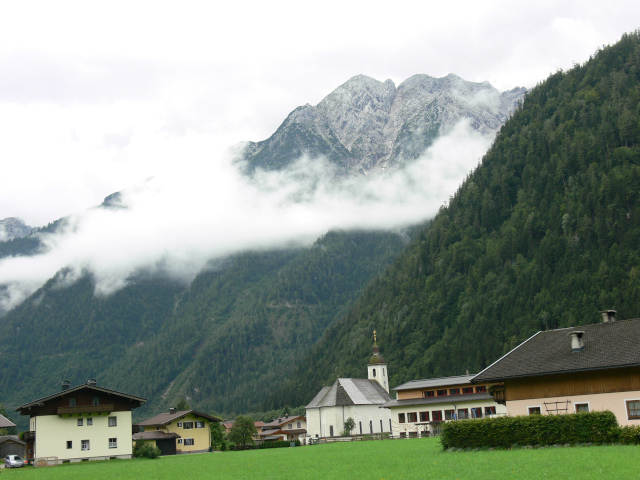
pixel 377 367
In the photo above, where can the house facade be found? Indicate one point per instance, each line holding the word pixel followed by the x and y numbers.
pixel 357 398
pixel 184 431
pixel 289 427
pixel 576 369
pixel 421 406
pixel 86 422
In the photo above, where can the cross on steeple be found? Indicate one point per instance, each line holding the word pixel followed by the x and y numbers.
pixel 374 336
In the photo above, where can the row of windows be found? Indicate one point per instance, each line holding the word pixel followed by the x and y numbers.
pixel 454 391
pixel 73 402
pixel 189 425
pixel 298 425
pixel 85 444
pixel 113 421
pixel 439 415
pixel 633 409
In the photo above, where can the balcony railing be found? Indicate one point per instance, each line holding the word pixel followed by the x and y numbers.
pixel 107 408
pixel 29 436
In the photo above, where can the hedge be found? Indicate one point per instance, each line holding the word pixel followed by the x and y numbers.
pixel 505 432
pixel 279 444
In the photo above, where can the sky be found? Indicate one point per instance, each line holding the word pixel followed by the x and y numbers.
pixel 146 97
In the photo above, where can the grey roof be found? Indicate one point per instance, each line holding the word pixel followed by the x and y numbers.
pixel 81 387
pixel 435 382
pixel 607 345
pixel 168 417
pixel 6 423
pixel 448 400
pixel 11 438
pixel 154 435
pixel 350 391
pixel 283 420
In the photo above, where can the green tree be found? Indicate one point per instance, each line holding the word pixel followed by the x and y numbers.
pixel 182 404
pixel 217 435
pixel 242 431
pixel 349 425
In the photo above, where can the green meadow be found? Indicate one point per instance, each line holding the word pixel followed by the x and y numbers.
pixel 391 459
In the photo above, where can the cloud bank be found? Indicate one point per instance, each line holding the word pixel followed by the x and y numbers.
pixel 176 222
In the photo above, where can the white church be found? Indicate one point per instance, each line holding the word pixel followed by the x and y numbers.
pixel 358 398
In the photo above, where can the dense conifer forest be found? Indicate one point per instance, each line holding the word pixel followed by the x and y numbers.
pixel 544 233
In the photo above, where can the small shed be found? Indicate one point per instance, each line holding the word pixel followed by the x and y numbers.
pixel 12 445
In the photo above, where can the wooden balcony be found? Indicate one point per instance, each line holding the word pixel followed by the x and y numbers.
pixel 107 408
pixel 29 436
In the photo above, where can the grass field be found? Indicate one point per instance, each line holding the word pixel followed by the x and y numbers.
pixel 397 459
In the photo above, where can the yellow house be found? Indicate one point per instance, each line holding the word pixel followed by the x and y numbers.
pixel 184 431
pixel 86 422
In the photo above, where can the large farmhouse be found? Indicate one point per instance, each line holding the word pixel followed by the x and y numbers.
pixel 576 369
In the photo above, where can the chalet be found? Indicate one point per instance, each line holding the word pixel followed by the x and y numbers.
pixel 421 406
pixel 575 369
pixel 184 431
pixel 86 422
pixel 289 427
pixel 358 398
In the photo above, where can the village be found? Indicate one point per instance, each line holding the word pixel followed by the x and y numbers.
pixel 594 367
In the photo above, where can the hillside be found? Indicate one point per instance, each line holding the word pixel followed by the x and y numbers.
pixel 545 233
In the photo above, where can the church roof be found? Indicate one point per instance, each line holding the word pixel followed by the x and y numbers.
pixel 350 391
pixel 376 358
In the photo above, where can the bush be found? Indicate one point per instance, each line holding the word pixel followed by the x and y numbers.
pixel 144 449
pixel 629 435
pixel 278 444
pixel 505 432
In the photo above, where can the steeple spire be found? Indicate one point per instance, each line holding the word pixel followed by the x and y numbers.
pixel 377 367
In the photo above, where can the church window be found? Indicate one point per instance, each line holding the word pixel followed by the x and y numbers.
pixel 374 373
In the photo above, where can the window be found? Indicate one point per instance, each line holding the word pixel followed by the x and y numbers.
pixel 476 412
pixel 466 390
pixel 463 413
pixel 80 422
pixel 199 424
pixel 187 425
pixel 442 393
pixel 179 441
pixel 633 409
pixel 299 424
pixel 89 421
pixel 370 426
pixel 489 411
pixel 113 443
pixel 360 424
pixel 401 418
pixel 381 427
pixel 390 426
pixel 582 407
pixel 96 400
pixel 428 393
pixel 374 373
pixel 436 415
pixel 84 444
pixel 424 416
pixel 449 414
pixel 331 430
pixel 403 434
pixel 188 442
pixel 290 426
pixel 412 417
pixel 72 401
pixel 113 421
pixel 481 389
pixel 69 444
pixel 454 391
pixel 534 411
pixel 179 424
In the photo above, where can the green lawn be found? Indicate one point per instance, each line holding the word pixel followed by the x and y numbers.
pixel 391 459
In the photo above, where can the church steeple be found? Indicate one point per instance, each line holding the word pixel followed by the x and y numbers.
pixel 377 367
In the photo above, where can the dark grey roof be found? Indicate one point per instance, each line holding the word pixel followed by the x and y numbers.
pixel 11 438
pixel 283 420
pixel 6 423
pixel 168 417
pixel 436 382
pixel 82 387
pixel 606 345
pixel 154 435
pixel 447 400
pixel 350 391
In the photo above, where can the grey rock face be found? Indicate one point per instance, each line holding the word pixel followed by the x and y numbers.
pixel 12 227
pixel 366 125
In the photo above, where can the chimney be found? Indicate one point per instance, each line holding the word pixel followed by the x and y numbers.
pixel 172 410
pixel 608 316
pixel 65 385
pixel 577 341
pixel 92 382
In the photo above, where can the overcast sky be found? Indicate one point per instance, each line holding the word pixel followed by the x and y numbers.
pixel 146 97
pixel 97 96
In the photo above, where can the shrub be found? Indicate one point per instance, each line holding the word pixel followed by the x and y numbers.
pixel 629 435
pixel 596 427
pixel 278 444
pixel 144 449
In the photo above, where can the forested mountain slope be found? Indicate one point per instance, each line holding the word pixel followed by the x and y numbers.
pixel 543 234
